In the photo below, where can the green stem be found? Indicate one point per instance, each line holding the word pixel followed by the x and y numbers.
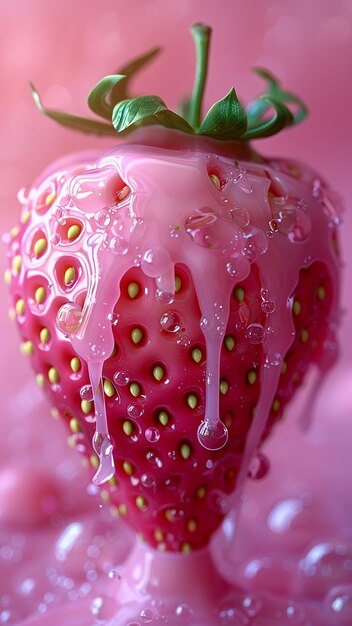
pixel 201 35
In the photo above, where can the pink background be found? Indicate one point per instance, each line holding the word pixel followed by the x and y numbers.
pixel 64 48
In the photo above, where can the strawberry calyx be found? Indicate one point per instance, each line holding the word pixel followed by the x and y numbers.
pixel 226 120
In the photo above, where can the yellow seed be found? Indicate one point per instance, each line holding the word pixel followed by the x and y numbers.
pixel 321 293
pixel 54 376
pixel 40 246
pixel 114 511
pixel 191 525
pixel 50 198
pixel 201 493
pixel 163 418
pixel 186 548
pixel 71 441
pixel 27 348
pixel 185 451
pixel 25 217
pixel 121 195
pixel 75 364
pixel 136 335
pixel 55 413
pixel 74 425
pixel 133 290
pixel 283 367
pixel 85 463
pixel 224 386
pixel 304 335
pixel 45 335
pixel 127 428
pixel 251 377
pixel 215 180
pixel 239 294
pixel 86 406
pixel 73 232
pixel 20 307
pixel 105 496
pixel 17 263
pixel 109 388
pixel 276 405
pixel 12 314
pixel 127 468
pixel 141 503
pixel 122 509
pixel 94 461
pixel 69 276
pixel 7 276
pixel 158 535
pixel 197 355
pixel 112 482
pixel 14 231
pixel 170 515
pixel 178 284
pixel 296 308
pixel 158 372
pixel 39 295
pixel 192 401
pixel 229 342
pixel 40 380
pixel 135 389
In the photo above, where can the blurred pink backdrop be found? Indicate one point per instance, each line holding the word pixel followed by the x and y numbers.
pixel 65 47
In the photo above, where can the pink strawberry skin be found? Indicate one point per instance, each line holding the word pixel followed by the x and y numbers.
pixel 163 476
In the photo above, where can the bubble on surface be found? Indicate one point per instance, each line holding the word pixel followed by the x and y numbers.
pixel 170 322
pixel 86 393
pixel 166 297
pixel 184 613
pixel 152 434
pixel 240 216
pixel 68 318
pixel 174 231
pixel 252 605
pixel 238 267
pixel 121 378
pixel 255 244
pixel 118 245
pixel 212 435
pixel 293 221
pixel 183 340
pixel 102 218
pixel 255 333
pixel 113 318
pixel 338 604
pixel 55 239
pixel 147 616
pixel 135 410
pixel 325 565
pixel 155 262
pixel 148 481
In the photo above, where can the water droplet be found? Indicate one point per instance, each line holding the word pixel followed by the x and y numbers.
pixel 113 318
pixel 68 318
pixel 183 340
pixel 147 616
pixel 212 436
pixel 252 605
pixel 121 378
pixel 204 323
pixel 104 449
pixel 152 434
pixel 240 216
pixel 338 604
pixel 295 613
pixel 118 245
pixel 86 393
pixel 135 410
pixel 256 244
pixel 170 321
pixel 148 481
pixel 55 239
pixel 115 573
pixel 155 262
pixel 174 231
pixel 259 467
pixel 153 459
pixel 102 218
pixel 165 297
pixel 183 612
pixel 243 182
pixel 255 333
pixel 96 606
pixel 239 267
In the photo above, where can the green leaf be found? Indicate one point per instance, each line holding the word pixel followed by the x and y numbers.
pixel 97 101
pixel 82 124
pixel 257 109
pixel 121 90
pixel 146 110
pixel 226 119
pixel 266 128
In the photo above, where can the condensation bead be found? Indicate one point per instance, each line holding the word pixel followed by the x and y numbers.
pixel 255 333
pixel 170 322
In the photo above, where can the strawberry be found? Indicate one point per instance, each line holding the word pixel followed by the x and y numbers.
pixel 172 293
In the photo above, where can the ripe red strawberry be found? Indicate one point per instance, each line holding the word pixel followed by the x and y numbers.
pixel 172 294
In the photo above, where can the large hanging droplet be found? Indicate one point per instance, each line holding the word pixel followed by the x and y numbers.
pixel 212 435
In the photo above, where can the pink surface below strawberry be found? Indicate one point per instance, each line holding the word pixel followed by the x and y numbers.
pixel 172 294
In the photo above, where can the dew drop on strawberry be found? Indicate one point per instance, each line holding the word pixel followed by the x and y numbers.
pixel 121 378
pixel 86 393
pixel 255 333
pixel 68 318
pixel 170 322
pixel 212 435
